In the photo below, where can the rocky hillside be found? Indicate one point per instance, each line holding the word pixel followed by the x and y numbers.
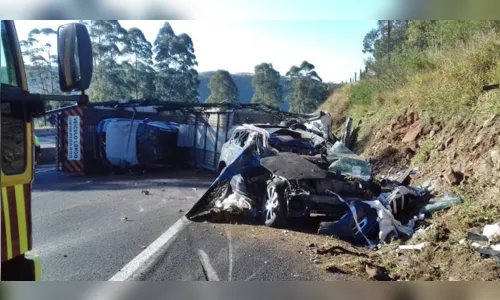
pixel 444 123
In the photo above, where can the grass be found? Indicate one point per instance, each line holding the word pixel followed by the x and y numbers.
pixel 448 92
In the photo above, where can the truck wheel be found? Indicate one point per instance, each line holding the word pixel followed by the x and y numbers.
pixel 274 205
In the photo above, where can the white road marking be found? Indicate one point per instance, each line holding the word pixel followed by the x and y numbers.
pixel 144 259
pixel 44 170
pixel 38 194
pixel 255 273
pixel 230 254
pixel 209 270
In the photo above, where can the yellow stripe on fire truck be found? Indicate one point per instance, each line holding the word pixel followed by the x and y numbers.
pixel 16 220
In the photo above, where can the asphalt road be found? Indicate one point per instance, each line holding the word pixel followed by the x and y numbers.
pixel 48 141
pixel 78 222
pixel 80 231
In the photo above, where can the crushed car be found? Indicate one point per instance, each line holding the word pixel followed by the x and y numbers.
pixel 280 173
pixel 126 144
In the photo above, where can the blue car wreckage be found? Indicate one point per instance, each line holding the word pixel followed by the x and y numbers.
pixel 278 187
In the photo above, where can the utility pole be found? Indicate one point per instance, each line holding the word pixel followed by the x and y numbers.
pixel 355 77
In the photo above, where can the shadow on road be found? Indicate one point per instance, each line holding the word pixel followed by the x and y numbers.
pixel 181 178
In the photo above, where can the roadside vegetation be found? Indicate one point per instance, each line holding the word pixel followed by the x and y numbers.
pixel 431 82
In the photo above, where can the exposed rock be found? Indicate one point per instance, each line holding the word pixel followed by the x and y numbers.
pixel 448 142
pixel 405 260
pixel 489 121
pixel 409 152
pixel 495 158
pixel 414 133
pixel 426 130
pixel 432 133
pixel 411 118
pixel 453 178
pixel 479 139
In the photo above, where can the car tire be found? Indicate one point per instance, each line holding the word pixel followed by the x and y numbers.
pixel 274 205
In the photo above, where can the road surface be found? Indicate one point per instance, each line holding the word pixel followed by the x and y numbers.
pixel 97 228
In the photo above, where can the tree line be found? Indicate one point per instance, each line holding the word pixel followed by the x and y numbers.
pixel 127 66
pixel 400 48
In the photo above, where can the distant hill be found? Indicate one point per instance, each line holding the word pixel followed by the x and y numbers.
pixel 244 83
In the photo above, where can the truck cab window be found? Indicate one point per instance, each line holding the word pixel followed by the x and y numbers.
pixel 13 128
pixel 13 140
pixel 8 71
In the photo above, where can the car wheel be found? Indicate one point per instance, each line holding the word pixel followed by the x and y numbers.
pixel 274 205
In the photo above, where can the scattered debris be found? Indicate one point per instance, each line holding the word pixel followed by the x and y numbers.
pixel 315 261
pixel 143 247
pixel 65 256
pixel 181 210
pixel 124 218
pixel 489 87
pixel 446 202
pixel 474 236
pixel 423 230
pixel 146 192
pixel 194 189
pixel 413 247
pixel 491 231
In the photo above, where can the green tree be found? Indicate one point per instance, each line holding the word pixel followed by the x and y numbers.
pixel 177 78
pixel 268 89
pixel 110 76
pixel 37 49
pixel 138 47
pixel 305 88
pixel 389 36
pixel 222 88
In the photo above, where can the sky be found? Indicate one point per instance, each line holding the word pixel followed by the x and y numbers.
pixel 332 46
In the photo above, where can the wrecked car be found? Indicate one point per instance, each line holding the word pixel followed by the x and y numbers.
pixel 140 144
pixel 268 138
pixel 262 182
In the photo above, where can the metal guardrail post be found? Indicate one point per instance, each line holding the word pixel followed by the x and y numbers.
pixel 347 133
pixel 216 141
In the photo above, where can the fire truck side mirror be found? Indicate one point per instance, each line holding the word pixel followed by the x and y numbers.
pixel 75 57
